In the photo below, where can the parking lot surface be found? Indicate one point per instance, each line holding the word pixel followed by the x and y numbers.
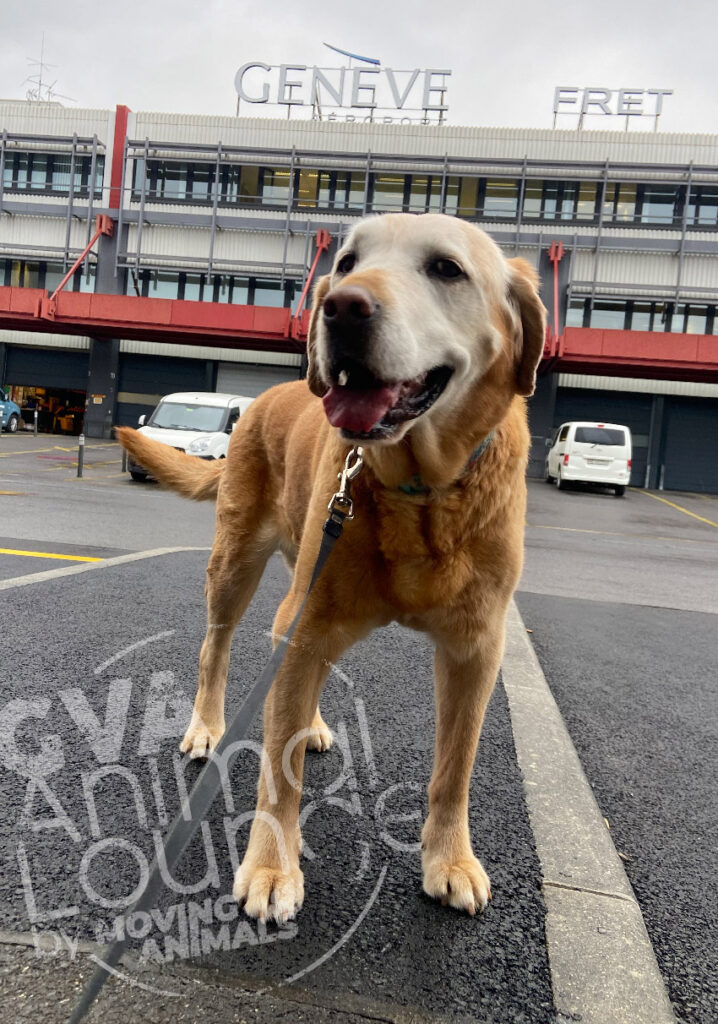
pixel 620 596
pixel 367 941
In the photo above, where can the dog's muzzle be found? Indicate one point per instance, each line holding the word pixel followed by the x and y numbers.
pixel 359 403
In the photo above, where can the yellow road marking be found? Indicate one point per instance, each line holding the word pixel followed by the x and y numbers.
pixel 48 554
pixel 12 492
pixel 610 533
pixel 673 505
pixel 27 451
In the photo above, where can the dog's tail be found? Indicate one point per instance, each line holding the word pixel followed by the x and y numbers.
pixel 188 475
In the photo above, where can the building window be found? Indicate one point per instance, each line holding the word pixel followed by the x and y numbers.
pixel 274 185
pixel 49 173
pixel 500 198
pixel 619 202
pixel 702 210
pixel 225 288
pixel 45 275
pixel 576 313
pixel 658 204
pixel 387 192
pixel 641 316
pixel 608 315
pixel 559 200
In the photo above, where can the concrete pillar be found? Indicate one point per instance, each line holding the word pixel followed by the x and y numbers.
pixel 102 380
pixel 541 408
pixel 104 363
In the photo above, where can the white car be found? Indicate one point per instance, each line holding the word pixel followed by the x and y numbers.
pixel 594 453
pixel 196 422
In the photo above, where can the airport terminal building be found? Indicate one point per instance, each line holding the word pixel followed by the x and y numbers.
pixel 205 232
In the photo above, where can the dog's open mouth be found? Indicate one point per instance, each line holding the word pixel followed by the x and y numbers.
pixel 365 408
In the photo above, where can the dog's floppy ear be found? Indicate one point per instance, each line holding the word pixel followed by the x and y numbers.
pixel 523 293
pixel 320 290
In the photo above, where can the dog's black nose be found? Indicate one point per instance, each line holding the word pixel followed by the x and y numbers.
pixel 349 306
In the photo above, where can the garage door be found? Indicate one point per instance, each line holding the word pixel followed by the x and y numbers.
pixel 46 367
pixel 690 453
pixel 251 379
pixel 629 408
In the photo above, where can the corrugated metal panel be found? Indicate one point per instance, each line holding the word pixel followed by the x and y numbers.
pixel 654 387
pixel 691 441
pixel 53 367
pixel 338 136
pixel 39 340
pixel 432 140
pixel 227 355
pixel 649 269
pixel 251 380
pixel 25 118
pixel 190 246
pixel 41 233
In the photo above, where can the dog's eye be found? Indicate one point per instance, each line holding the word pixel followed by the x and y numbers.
pixel 445 268
pixel 346 263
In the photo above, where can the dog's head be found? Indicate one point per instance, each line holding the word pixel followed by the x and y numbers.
pixel 416 311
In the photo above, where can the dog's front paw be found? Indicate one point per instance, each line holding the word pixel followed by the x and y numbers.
pixel 461 882
pixel 320 737
pixel 201 738
pixel 268 893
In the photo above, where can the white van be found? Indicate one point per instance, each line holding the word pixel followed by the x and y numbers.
pixel 595 453
pixel 196 422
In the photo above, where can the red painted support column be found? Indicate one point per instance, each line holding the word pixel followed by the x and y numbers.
pixel 118 151
pixel 555 254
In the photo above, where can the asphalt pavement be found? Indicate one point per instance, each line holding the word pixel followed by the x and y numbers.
pixel 366 933
pixel 104 659
pixel 635 675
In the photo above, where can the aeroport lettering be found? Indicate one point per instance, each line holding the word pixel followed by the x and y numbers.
pixel 298 85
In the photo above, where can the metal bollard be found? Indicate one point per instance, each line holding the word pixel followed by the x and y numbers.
pixel 80 453
pixel 34 426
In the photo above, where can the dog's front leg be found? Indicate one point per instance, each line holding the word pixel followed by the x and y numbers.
pixel 269 881
pixel 464 678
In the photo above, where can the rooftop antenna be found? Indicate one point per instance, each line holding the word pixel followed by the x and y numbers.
pixel 40 91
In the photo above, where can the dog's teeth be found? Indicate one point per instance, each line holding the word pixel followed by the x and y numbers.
pixel 343 379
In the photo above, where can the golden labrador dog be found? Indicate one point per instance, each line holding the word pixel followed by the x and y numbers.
pixel 422 343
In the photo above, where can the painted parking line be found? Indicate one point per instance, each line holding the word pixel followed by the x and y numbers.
pixel 615 533
pixel 680 508
pixel 49 554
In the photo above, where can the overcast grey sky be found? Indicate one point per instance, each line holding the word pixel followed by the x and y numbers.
pixel 506 57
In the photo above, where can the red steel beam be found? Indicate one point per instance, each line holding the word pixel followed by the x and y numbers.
pixel 104 226
pixel 322 241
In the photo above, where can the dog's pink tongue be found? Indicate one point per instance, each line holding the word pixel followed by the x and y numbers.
pixel 358 411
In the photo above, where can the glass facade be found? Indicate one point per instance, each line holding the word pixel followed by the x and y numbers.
pixel 226 288
pixel 44 274
pixel 642 315
pixel 471 196
pixel 50 173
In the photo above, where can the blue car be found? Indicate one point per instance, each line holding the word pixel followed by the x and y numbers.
pixel 9 414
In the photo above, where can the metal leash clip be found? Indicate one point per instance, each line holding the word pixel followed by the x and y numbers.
pixel 341 504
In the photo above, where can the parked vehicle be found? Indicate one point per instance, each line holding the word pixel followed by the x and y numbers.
pixel 9 414
pixel 196 422
pixel 594 453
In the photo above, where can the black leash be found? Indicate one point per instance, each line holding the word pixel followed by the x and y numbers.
pixel 195 808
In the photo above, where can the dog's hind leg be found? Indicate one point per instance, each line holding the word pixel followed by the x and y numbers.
pixel 235 568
